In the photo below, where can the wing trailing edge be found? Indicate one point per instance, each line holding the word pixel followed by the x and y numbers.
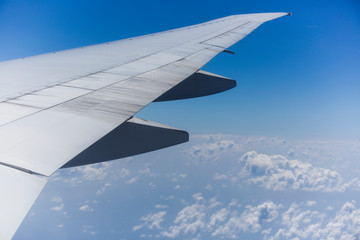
pixel 198 84
pixel 133 137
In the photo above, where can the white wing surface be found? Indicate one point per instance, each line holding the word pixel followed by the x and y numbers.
pixel 18 192
pixel 55 106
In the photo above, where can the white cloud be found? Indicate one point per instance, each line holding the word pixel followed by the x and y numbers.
pixel 146 172
pixel 105 171
pixel 88 229
pixel 213 203
pixel 179 177
pixel 205 217
pixel 209 187
pixel 310 224
pixel 218 176
pixel 249 221
pixel 310 203
pixel 345 225
pixel 124 172
pixel 60 204
pixel 211 151
pixel 354 184
pixel 334 153
pixel 298 222
pixel 94 171
pixel 153 220
pixel 276 172
pixel 137 227
pixel 86 208
pixel 217 218
pixel 102 190
pixel 131 180
pixel 234 202
pixel 189 220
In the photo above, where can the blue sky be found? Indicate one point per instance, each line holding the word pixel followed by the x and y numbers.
pixel 297 76
pixel 297 102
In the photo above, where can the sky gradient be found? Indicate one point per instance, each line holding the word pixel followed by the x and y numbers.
pixel 275 158
pixel 297 76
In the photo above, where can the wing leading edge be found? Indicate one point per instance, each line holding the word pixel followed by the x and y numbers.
pixel 57 107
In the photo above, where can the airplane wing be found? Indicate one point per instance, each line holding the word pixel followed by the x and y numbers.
pixel 76 107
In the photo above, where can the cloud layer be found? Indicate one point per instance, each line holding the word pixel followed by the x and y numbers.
pixel 217 186
pixel 276 172
pixel 271 221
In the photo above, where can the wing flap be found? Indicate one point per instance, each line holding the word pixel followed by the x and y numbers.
pixel 199 84
pixel 134 136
